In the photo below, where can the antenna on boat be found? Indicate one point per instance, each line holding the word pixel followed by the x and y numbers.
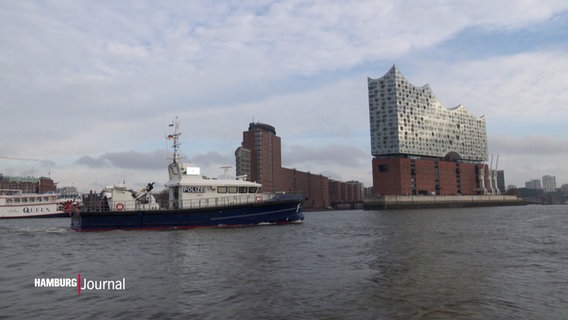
pixel 175 137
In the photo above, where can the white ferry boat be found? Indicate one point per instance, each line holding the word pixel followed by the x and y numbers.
pixel 15 204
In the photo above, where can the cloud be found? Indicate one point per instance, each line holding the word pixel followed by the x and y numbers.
pixel 92 162
pixel 335 161
pixel 47 163
pixel 127 160
pixel 531 144
pixel 213 158
pixel 498 85
pixel 116 62
pixel 341 155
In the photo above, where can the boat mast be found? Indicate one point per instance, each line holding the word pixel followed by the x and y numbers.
pixel 175 137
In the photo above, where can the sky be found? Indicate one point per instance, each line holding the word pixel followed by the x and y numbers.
pixel 88 88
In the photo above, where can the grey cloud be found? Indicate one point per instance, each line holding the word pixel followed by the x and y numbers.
pixel 535 145
pixel 47 163
pixel 213 157
pixel 127 160
pixel 342 155
pixel 92 162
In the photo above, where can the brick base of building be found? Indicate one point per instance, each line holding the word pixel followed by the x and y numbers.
pixel 405 176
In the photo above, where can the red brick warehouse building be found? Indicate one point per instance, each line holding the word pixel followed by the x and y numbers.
pixel 421 147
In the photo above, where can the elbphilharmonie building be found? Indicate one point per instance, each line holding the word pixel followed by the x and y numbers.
pixel 409 120
pixel 420 146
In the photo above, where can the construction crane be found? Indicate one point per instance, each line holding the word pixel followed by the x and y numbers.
pixel 16 158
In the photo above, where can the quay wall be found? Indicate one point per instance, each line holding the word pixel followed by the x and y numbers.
pixel 423 202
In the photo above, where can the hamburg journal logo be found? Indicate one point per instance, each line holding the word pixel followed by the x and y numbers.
pixel 81 284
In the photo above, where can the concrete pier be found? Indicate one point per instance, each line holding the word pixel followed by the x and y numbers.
pixel 422 202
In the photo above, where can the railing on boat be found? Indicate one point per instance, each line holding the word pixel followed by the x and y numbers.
pixel 99 204
pixel 221 201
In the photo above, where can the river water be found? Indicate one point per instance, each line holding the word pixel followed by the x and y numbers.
pixel 482 263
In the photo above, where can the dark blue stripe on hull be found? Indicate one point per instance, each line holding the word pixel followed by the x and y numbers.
pixel 272 212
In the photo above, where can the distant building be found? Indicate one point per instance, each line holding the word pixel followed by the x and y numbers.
pixel 549 183
pixel 27 184
pixel 343 194
pixel 501 181
pixel 68 192
pixel 421 147
pixel 531 195
pixel 243 161
pixel 259 158
pixel 533 184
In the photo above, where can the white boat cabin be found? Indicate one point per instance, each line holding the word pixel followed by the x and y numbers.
pixel 189 189
pixel 17 197
pixel 119 198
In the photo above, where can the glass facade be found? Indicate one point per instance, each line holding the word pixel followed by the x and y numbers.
pixel 409 120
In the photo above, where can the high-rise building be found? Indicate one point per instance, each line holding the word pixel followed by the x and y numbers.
pixel 421 147
pixel 259 156
pixel 549 183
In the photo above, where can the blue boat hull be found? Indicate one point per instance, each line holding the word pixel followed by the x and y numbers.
pixel 271 212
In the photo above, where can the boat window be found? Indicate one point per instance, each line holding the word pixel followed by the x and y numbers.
pixel 252 189
pixel 221 189
pixel 232 189
pixel 243 189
